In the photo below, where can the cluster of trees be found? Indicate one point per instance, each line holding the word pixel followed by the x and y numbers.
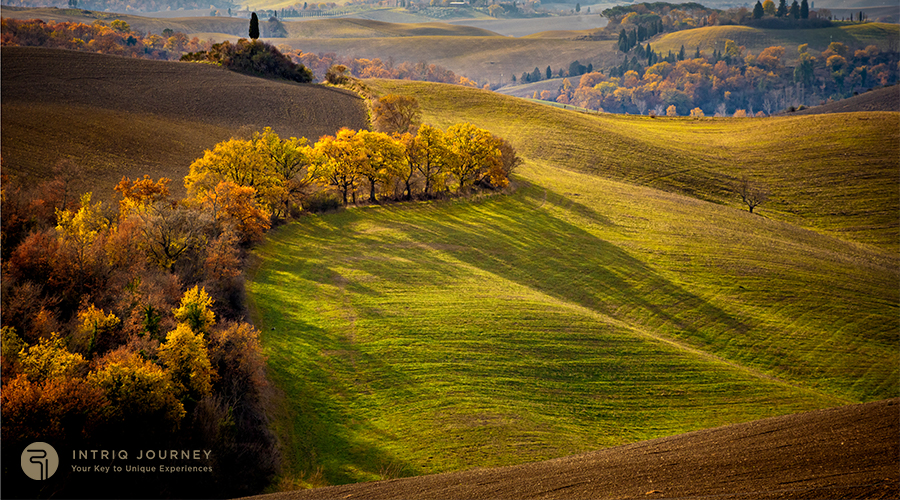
pixel 575 69
pixel 125 5
pixel 729 81
pixel 122 323
pixel 375 68
pixel 279 178
pixel 121 329
pixel 115 37
pixel 253 57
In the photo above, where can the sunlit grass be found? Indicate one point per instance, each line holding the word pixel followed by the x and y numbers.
pixel 620 292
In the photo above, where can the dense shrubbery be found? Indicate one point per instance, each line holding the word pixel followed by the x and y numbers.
pixel 123 324
pixel 122 330
pixel 253 58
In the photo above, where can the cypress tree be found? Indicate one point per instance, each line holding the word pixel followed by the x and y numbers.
pixel 697 54
pixel 804 10
pixel 549 73
pixel 758 10
pixel 681 54
pixel 782 9
pixel 795 10
pixel 254 26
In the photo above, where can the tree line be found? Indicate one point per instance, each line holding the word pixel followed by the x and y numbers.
pixel 115 37
pixel 400 160
pixel 730 80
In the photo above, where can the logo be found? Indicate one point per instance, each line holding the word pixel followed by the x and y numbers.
pixel 39 461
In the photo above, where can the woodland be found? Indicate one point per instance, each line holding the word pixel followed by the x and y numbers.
pixel 130 315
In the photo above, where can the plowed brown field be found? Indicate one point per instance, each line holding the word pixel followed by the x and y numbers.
pixel 114 116
pixel 846 452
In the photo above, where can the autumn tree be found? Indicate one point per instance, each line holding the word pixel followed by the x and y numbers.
pixel 96 328
pixel 237 209
pixel 769 7
pixel 137 194
pixel 186 361
pixel 427 153
pixel 343 166
pixel 394 113
pixel 293 163
pixel 475 152
pixel 140 393
pixel 380 156
pixel 171 231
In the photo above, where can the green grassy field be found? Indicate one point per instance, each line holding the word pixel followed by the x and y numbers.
pixel 602 301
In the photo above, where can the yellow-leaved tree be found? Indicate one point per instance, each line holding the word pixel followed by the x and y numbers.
pixel 195 311
pixel 380 157
pixel 140 392
pixel 95 328
pixel 185 357
pixel 475 152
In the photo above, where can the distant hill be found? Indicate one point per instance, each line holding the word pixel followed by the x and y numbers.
pixel 756 39
pixel 884 99
pixel 846 452
pixel 115 116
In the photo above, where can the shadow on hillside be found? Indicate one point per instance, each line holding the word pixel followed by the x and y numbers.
pixel 515 238
pixel 321 436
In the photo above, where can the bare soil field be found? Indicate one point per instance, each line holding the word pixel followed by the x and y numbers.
pixel 114 116
pixel 883 99
pixel 845 452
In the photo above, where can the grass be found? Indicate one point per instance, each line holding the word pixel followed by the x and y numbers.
pixel 855 36
pixel 573 315
pixel 597 304
pixel 825 172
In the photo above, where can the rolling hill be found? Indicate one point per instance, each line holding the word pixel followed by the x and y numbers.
pixel 848 452
pixel 618 293
pixel 116 116
pixel 855 36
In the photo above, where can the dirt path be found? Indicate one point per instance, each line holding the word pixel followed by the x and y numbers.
pixel 846 452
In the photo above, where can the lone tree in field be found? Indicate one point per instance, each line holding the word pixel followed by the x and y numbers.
pixel 254 26
pixel 753 195
pixel 396 113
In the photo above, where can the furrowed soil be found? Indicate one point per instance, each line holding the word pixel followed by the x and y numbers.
pixel 846 452
pixel 114 116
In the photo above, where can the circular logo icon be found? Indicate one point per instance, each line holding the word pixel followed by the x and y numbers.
pixel 39 461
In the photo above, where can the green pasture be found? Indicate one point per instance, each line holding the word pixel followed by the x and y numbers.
pixel 574 314
pixel 592 305
pixel 834 173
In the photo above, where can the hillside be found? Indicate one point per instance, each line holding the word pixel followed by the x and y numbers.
pixel 855 36
pixel 849 452
pixel 704 158
pixel 618 293
pixel 586 309
pixel 884 99
pixel 115 116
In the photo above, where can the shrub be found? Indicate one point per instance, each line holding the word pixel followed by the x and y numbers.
pixel 253 58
